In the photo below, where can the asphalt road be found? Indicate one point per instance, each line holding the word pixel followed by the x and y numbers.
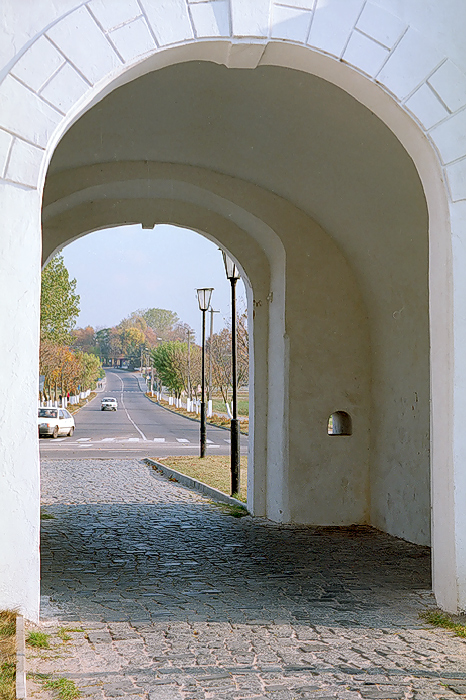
pixel 138 428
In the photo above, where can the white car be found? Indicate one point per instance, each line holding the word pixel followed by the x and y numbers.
pixel 109 404
pixel 55 422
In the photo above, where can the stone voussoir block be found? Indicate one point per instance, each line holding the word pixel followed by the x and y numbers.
pixel 380 25
pixel 211 19
pixel 68 35
pixel 170 22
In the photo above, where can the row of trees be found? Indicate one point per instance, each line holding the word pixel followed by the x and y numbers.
pixel 72 358
pixel 158 336
pixel 64 369
pixel 142 329
pixel 178 364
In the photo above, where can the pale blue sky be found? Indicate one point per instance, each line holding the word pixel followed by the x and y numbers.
pixel 127 268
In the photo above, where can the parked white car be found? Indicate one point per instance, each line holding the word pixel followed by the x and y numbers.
pixel 109 404
pixel 55 422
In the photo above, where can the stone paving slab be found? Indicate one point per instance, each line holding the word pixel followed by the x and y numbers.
pixel 174 599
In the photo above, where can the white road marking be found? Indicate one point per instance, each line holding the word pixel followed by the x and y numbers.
pixel 228 441
pixel 209 442
pixel 126 410
pixel 181 440
pixel 159 439
pixel 131 440
pixel 83 439
pixel 119 445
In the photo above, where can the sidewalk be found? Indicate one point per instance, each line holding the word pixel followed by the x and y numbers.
pixel 193 416
pixel 178 601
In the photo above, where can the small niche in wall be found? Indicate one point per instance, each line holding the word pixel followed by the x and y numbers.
pixel 340 423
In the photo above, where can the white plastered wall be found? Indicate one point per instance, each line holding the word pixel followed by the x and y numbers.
pixel 400 64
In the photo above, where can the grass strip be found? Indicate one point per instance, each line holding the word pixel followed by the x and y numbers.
pixel 62 632
pixel 46 516
pixel 39 640
pixel 236 511
pixel 66 689
pixel 75 407
pixel 219 421
pixel 218 405
pixel 213 470
pixel 8 654
pixel 438 618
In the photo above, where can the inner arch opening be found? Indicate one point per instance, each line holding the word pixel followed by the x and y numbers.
pixel 139 311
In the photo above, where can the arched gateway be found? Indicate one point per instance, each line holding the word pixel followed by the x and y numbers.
pixel 313 140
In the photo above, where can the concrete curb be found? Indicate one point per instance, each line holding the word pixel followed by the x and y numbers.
pixel 195 420
pixel 86 404
pixel 167 408
pixel 194 484
pixel 20 659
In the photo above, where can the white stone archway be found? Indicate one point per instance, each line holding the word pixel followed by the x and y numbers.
pixel 372 54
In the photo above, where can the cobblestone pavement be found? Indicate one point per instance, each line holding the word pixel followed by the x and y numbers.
pixel 176 600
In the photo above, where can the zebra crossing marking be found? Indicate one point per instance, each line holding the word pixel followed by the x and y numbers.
pixel 90 442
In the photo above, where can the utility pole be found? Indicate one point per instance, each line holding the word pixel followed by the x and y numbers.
pixel 189 364
pixel 212 312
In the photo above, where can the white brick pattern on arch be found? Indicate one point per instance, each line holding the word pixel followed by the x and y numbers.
pixel 57 70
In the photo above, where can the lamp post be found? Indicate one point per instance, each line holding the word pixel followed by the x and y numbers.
pixel 203 297
pixel 233 275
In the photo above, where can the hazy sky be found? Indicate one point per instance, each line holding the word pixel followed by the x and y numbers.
pixel 127 268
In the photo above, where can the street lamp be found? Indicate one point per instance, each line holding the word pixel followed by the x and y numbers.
pixel 233 275
pixel 203 297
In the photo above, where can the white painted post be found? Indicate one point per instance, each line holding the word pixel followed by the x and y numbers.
pixel 209 408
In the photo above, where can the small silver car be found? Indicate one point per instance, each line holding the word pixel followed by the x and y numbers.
pixel 109 404
pixel 55 422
